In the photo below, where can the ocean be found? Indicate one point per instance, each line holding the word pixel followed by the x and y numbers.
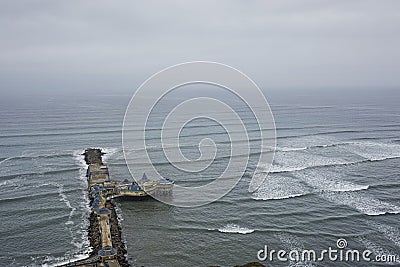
pixel 335 176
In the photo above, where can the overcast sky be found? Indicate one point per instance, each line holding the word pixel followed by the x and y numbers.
pixel 113 46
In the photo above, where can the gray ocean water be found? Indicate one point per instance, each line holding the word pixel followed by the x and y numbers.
pixel 335 175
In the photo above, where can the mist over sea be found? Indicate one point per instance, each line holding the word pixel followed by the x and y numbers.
pixel 335 175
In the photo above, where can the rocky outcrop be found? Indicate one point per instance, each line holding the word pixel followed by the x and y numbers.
pixel 116 235
pixel 93 156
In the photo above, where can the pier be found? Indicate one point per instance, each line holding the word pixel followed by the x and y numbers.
pixel 104 233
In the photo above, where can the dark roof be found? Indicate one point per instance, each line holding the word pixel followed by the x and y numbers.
pixel 107 251
pixel 103 211
pixel 144 178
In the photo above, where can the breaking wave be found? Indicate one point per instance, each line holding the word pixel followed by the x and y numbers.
pixel 278 187
pixel 361 202
pixel 235 229
pixel 294 159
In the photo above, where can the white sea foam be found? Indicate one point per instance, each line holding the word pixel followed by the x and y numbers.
pixel 375 151
pixel 79 237
pixel 236 229
pixel 261 196
pixel 311 146
pixel 51 261
pixel 63 198
pixel 280 187
pixel 297 161
pixel 14 182
pixel 283 148
pixel 109 152
pixel 361 202
pixel 23 155
pixel 287 149
pixel 279 169
pixel 291 242
pixel 349 187
pixel 292 159
pixel 391 233
pixel 329 185
pixel 34 155
pixel 4 160
pixel 327 180
pixel 83 245
pixel 79 158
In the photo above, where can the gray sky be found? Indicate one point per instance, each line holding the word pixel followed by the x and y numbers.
pixel 113 46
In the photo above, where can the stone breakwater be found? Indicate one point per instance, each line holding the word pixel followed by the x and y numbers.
pixel 116 235
pixel 94 156
pixel 104 231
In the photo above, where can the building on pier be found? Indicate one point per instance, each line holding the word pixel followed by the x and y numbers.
pixel 97 174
